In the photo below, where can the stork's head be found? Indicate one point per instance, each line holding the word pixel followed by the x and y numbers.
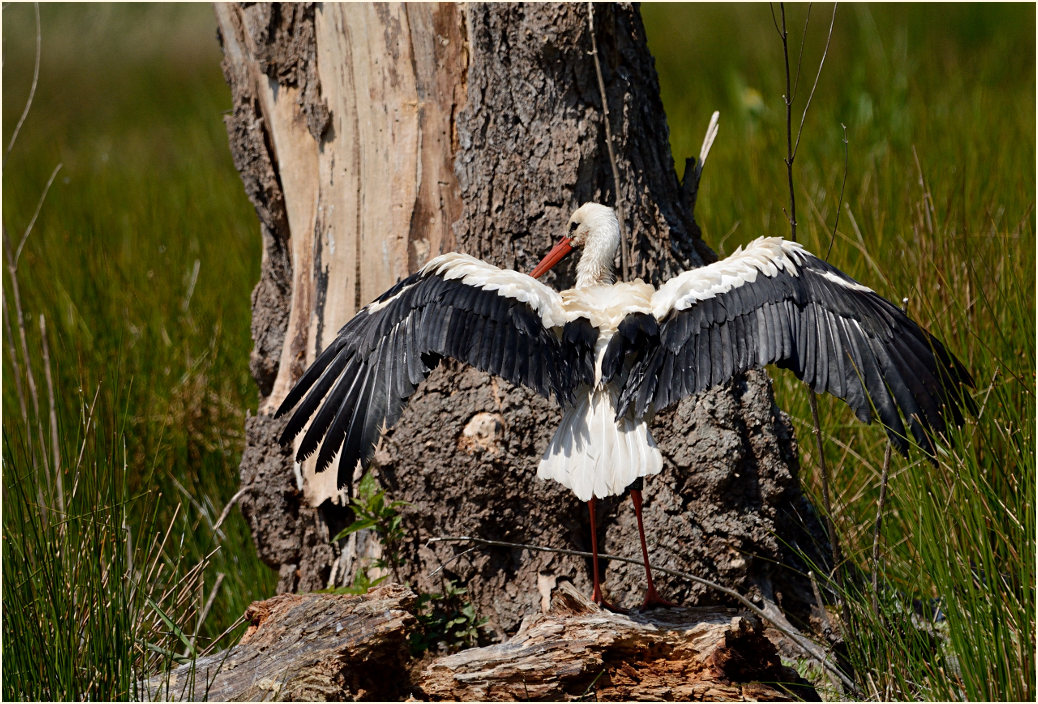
pixel 595 228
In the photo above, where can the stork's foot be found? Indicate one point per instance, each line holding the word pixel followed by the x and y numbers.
pixel 597 597
pixel 654 600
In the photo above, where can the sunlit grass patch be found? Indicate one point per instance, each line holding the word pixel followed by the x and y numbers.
pixel 937 105
pixel 140 262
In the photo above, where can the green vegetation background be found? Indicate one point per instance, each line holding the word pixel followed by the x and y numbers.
pixel 145 250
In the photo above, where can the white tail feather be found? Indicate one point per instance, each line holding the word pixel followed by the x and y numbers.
pixel 593 455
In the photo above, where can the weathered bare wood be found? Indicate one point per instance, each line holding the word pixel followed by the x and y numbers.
pixel 309 647
pixel 368 185
pixel 321 647
pixel 579 651
pixel 371 137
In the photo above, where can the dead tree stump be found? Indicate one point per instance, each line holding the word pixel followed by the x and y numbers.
pixel 371 138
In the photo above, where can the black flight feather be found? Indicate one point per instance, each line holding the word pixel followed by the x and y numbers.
pixel 360 383
pixel 834 334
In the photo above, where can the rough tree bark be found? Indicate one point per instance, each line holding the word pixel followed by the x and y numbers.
pixel 371 138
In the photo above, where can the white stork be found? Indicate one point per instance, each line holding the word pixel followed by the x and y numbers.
pixel 614 354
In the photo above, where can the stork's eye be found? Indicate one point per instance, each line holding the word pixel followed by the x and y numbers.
pixel 573 226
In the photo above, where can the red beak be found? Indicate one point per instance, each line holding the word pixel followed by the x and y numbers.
pixel 564 247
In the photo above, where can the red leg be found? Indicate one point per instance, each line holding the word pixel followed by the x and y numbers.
pixel 652 598
pixel 596 593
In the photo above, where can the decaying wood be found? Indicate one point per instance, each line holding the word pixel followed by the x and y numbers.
pixel 307 647
pixel 371 138
pixel 328 647
pixel 579 651
pixel 368 211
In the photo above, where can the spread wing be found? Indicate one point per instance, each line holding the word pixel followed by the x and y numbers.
pixel 776 303
pixel 457 306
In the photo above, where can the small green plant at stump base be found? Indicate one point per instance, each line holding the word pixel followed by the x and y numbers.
pixel 448 620
pixel 373 512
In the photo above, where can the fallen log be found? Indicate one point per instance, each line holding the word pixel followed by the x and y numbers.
pixel 306 647
pixel 577 650
pixel 322 647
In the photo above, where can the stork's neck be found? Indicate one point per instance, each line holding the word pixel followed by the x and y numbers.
pixel 596 261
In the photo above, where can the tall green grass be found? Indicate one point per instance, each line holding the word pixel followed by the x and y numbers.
pixel 140 264
pixel 937 105
pixel 93 584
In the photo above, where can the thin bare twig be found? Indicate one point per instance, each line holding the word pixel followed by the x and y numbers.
pixel 36 214
pixel 884 478
pixel 12 354
pixel 774 19
pixel 821 62
pixel 827 625
pixel 30 379
pixel 929 211
pixel 843 185
pixel 834 541
pixel 158 547
pixel 32 86
pixel 59 484
pixel 12 269
pixel 618 201
pixel 454 558
pixel 800 57
pixel 771 615
pixel 208 605
pixel 86 422
pixel 212 646
pixel 227 509
pixel 194 502
pixel 788 100
pixel 877 528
